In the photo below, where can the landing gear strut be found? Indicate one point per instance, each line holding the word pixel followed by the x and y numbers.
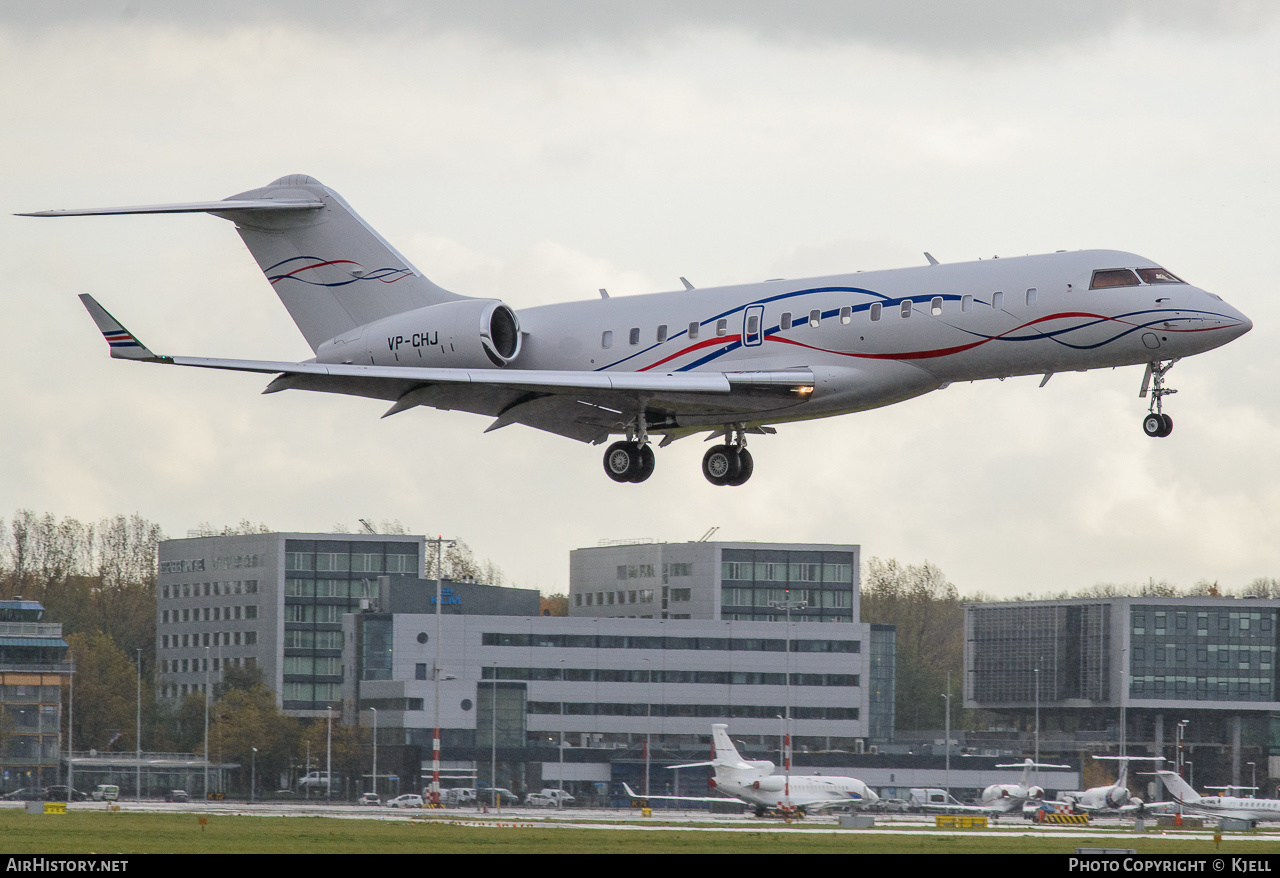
pixel 1157 424
pixel 729 464
pixel 631 460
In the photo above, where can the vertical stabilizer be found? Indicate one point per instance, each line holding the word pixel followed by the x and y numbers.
pixel 1181 790
pixel 331 270
pixel 726 753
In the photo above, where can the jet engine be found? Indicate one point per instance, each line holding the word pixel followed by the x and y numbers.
pixel 1117 797
pixel 467 334
pixel 1035 792
pixel 769 784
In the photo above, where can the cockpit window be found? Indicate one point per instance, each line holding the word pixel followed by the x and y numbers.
pixel 1158 276
pixel 1113 277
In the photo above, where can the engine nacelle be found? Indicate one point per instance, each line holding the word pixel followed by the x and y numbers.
pixel 467 334
pixel 1035 792
pixel 769 784
pixel 1117 797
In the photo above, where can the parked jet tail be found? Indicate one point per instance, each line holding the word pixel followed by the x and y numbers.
pixel 1181 790
pixel 329 268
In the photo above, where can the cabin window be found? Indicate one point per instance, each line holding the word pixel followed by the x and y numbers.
pixel 784 322
pixel 635 335
pixel 876 308
pixel 1113 277
pixel 1031 296
pixel 1158 276
pixel 815 319
pixel 997 300
pixel 693 330
pixel 935 307
pixel 722 326
pixel 966 303
pixel 753 324
pixel 662 333
pixel 846 315
pixel 906 308
pixel 606 340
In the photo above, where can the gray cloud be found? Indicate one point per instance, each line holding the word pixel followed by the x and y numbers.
pixel 956 28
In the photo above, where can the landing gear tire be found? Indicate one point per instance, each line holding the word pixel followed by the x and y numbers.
pixel 1157 426
pixel 645 462
pixel 721 465
pixel 620 461
pixel 745 467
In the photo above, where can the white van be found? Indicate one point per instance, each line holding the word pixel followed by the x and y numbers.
pixel 106 792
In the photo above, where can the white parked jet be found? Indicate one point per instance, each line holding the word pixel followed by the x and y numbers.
pixel 1113 797
pixel 1219 806
pixel 729 361
pixel 1005 797
pixel 755 783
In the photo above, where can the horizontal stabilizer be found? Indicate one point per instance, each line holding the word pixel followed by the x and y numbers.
pixel 121 341
pixel 261 204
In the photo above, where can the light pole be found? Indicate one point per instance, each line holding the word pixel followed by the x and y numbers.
pixel 206 723
pixel 493 740
pixel 253 773
pixel 328 759
pixel 788 605
pixel 1253 771
pixel 71 719
pixel 137 744
pixel 560 800
pixel 947 737
pixel 435 674
pixel 375 750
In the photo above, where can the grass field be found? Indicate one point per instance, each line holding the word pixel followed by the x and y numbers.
pixel 134 833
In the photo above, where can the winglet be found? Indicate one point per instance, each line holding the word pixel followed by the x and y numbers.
pixel 123 345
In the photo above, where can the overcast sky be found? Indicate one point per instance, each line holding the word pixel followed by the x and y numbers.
pixel 536 151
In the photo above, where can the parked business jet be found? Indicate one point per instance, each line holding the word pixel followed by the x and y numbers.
pixel 1005 797
pixel 1219 806
pixel 755 783
pixel 1113 797
pixel 729 361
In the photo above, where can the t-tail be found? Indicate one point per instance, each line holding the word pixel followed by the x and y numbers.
pixel 331 270
pixel 1181 790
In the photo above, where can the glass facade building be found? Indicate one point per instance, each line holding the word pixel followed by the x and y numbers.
pixel 274 601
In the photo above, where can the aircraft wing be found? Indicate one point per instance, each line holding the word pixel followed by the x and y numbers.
pixel 633 794
pixel 581 405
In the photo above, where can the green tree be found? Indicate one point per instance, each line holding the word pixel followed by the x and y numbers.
pixel 929 617
pixel 245 719
pixel 106 696
pixel 352 750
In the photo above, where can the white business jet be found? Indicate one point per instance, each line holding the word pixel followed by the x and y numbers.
pixel 1003 798
pixel 1112 797
pixel 729 361
pixel 755 783
pixel 1219 806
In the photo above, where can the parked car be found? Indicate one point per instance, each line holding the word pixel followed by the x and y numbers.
pixel 58 793
pixel 106 792
pixel 315 780
pixel 26 794
pixel 177 796
pixel 408 800
pixel 497 795
pixel 368 799
pixel 548 798
pixel 459 797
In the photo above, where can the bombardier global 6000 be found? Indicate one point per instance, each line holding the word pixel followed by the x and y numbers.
pixel 730 361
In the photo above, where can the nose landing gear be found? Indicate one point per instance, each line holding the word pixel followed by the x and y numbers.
pixel 1157 424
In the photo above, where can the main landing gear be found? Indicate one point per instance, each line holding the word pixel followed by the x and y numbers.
pixel 632 460
pixel 1157 424
pixel 729 464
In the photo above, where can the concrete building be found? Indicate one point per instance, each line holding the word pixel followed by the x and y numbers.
pixel 1205 664
pixel 274 601
pixel 714 580
pixel 609 687
pixel 33 670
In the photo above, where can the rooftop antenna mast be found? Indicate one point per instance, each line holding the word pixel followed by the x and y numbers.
pixel 709 534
